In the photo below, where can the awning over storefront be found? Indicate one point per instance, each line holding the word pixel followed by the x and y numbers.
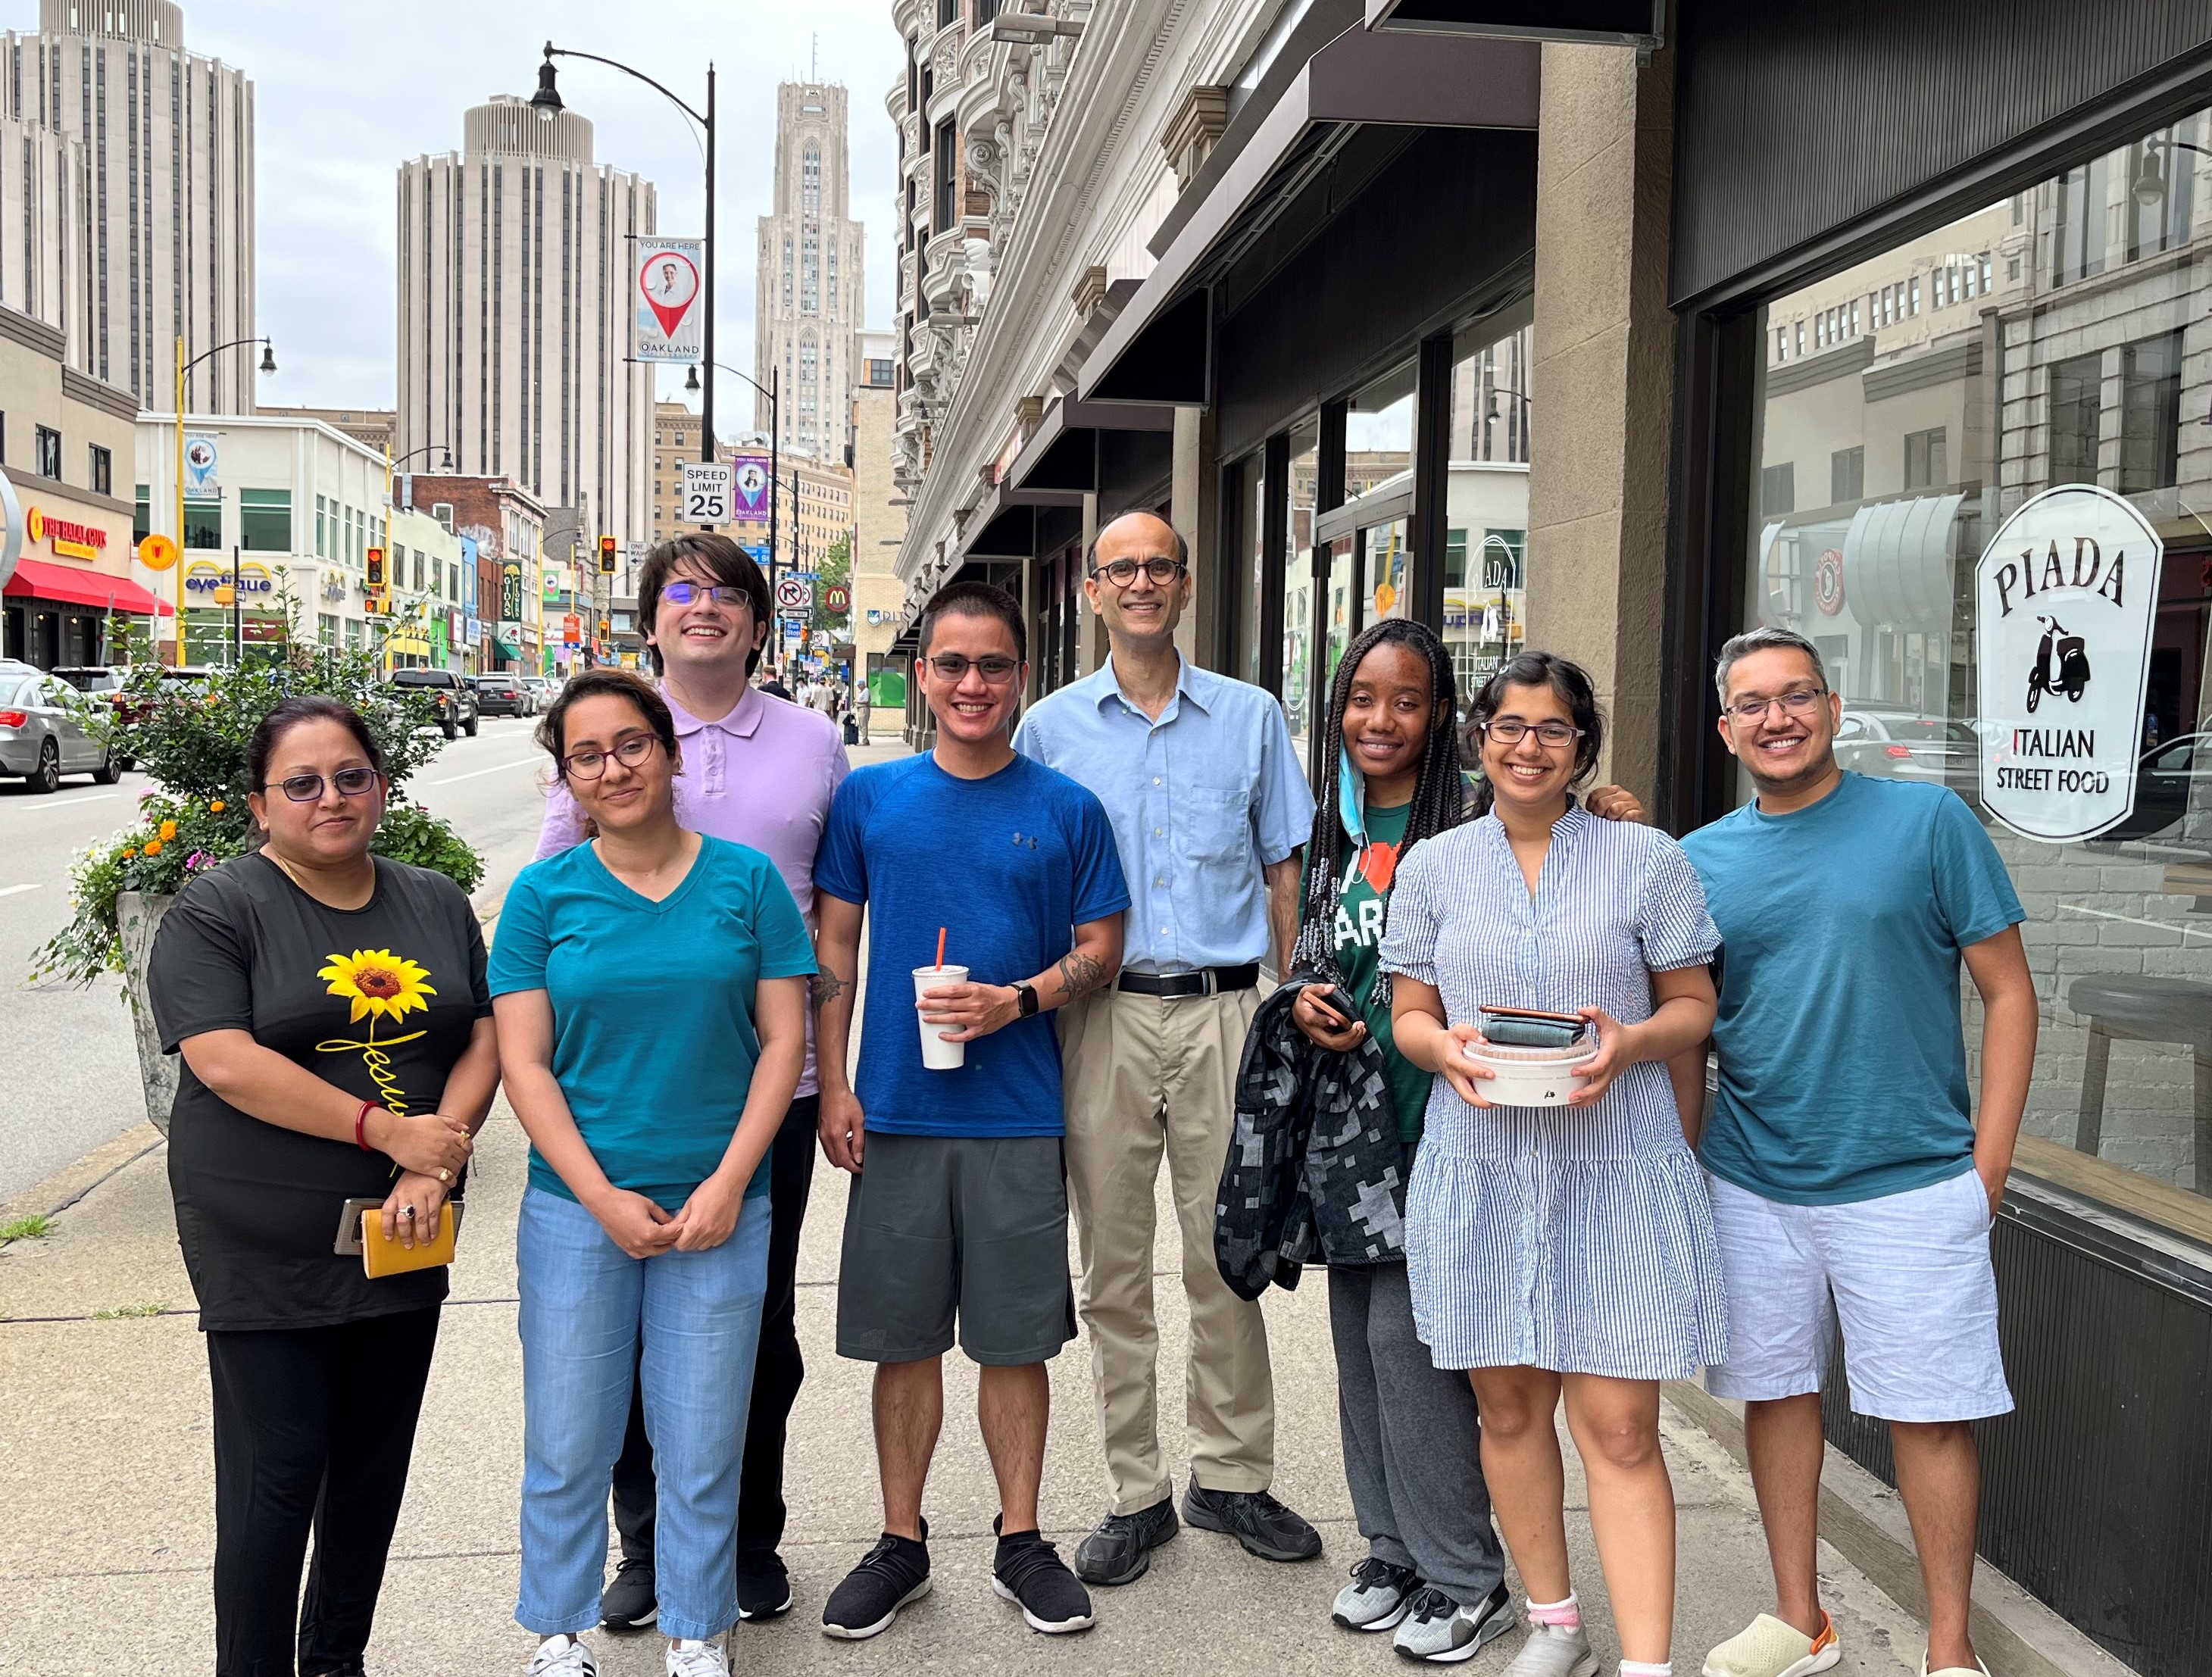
pixel 1004 527
pixel 1898 562
pixel 1063 454
pixel 38 579
pixel 500 649
pixel 1156 348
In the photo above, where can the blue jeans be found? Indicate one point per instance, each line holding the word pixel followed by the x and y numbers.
pixel 585 1305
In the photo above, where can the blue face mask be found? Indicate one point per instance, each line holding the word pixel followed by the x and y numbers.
pixel 1351 800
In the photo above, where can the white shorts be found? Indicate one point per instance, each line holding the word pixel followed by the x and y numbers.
pixel 1907 1276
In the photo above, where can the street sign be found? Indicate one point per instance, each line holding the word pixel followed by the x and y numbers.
pixel 705 491
pixel 838 600
pixel 794 593
pixel 572 630
pixel 667 291
pixel 793 625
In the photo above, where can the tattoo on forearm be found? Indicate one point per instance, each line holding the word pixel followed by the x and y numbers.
pixel 827 988
pixel 1081 974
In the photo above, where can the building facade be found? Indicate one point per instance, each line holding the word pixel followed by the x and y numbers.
pixel 73 597
pixel 140 193
pixel 515 328
pixel 810 291
pixel 375 427
pixel 675 439
pixel 878 517
pixel 505 523
pixel 1548 345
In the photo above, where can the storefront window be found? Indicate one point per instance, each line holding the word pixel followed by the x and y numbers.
pixel 265 520
pixel 1343 604
pixel 1298 580
pixel 1487 504
pixel 1982 503
pixel 202 523
pixel 1252 536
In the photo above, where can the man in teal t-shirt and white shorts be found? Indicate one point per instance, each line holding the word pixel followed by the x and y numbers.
pixel 1852 1186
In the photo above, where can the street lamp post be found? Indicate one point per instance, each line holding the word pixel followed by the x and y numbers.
pixel 774 437
pixel 445 463
pixel 546 101
pixel 268 365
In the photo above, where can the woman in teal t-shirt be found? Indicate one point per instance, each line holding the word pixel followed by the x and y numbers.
pixel 650 988
pixel 1434 1569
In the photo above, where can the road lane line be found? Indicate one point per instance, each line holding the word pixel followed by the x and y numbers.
pixel 474 773
pixel 66 804
pixel 17 891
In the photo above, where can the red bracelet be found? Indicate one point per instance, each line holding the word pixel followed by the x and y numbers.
pixel 360 1126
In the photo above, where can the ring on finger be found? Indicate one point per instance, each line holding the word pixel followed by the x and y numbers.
pixel 407 1210
pixel 444 1175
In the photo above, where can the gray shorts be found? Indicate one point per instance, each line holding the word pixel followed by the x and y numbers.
pixel 972 1228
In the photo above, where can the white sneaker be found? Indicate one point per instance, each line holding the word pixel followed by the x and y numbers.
pixel 1553 1650
pixel 696 1659
pixel 562 1656
pixel 1977 1669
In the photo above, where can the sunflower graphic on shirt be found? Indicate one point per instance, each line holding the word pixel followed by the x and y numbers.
pixel 379 986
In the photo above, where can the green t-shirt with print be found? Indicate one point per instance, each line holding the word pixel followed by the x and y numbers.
pixel 1359 909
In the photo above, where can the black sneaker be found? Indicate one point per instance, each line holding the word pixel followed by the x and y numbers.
pixel 631 1602
pixel 1028 1572
pixel 1255 1519
pixel 763 1587
pixel 1121 1550
pixel 890 1575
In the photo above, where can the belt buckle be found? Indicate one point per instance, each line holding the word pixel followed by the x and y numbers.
pixel 1212 980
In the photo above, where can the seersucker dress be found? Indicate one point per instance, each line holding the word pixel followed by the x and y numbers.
pixel 1578 1239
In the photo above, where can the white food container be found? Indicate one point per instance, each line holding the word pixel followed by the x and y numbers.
pixel 1530 1076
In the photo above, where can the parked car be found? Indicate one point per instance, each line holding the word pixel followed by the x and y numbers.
pixel 544 690
pixel 458 709
pixel 42 738
pixel 499 694
pixel 2164 776
pixel 1900 744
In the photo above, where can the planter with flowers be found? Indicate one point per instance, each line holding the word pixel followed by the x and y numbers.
pixel 191 736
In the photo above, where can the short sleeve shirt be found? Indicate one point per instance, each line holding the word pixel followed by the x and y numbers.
pixel 1363 900
pixel 1009 866
pixel 1842 1057
pixel 379 1001
pixel 654 1034
pixel 1201 799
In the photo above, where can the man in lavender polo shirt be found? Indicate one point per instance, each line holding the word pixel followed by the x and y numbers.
pixel 758 771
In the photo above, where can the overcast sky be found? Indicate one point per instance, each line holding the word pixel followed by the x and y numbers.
pixel 343 93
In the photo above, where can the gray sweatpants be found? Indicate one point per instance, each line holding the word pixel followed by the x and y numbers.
pixel 1413 1439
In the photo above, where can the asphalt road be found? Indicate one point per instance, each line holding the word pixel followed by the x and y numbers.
pixel 69 1071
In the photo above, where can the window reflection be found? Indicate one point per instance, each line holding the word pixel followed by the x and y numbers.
pixel 1909 405
pixel 1298 580
pixel 1487 511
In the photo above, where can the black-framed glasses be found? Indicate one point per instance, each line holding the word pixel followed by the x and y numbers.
pixel 995 667
pixel 1512 730
pixel 308 788
pixel 1798 702
pixel 683 590
pixel 590 765
pixel 1122 573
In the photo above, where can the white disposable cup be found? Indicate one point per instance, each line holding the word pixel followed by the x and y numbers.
pixel 939 1054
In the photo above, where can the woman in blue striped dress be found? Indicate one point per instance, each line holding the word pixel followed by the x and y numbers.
pixel 1561 1251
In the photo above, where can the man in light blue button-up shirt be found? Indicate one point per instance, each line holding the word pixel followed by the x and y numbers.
pixel 1209 808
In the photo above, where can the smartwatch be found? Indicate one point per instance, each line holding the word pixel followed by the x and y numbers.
pixel 1025 996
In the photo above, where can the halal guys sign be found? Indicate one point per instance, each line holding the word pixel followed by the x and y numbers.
pixel 2067 596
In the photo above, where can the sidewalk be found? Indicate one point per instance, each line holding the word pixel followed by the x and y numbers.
pixel 106 1481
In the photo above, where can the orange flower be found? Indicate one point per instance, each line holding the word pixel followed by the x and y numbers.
pixel 168 829
pixel 215 808
pixel 129 854
pixel 152 846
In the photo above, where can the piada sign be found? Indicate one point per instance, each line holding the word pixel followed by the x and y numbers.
pixel 2067 596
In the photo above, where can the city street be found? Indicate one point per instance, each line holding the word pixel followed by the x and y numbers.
pixel 69 1074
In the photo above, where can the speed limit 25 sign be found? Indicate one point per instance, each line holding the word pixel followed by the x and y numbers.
pixel 707 491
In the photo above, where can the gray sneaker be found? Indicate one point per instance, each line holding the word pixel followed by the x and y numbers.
pixel 1444 1631
pixel 1376 1598
pixel 1552 1651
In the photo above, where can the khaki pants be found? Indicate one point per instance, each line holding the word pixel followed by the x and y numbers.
pixel 1145 1077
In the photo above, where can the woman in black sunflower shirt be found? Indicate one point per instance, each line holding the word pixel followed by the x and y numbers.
pixel 338 1043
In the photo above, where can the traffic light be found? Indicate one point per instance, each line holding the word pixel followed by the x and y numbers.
pixel 605 628
pixel 606 555
pixel 372 605
pixel 376 568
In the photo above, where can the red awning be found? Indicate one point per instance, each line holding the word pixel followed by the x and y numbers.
pixel 36 578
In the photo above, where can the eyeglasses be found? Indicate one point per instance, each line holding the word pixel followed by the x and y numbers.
pixel 1798 702
pixel 995 667
pixel 308 788
pixel 683 591
pixel 590 765
pixel 1122 573
pixel 1512 730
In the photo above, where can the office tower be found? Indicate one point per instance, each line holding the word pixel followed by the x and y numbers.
pixel 809 295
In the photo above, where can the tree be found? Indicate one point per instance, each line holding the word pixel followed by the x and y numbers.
pixel 836 567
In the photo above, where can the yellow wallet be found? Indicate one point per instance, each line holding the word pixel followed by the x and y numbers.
pixel 380 1257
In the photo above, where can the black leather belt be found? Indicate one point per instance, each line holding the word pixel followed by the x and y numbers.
pixel 1181 986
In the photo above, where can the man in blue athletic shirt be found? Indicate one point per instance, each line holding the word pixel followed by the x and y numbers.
pixel 958 1207
pixel 1853 1182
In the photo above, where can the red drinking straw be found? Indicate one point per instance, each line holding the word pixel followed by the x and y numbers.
pixel 940 949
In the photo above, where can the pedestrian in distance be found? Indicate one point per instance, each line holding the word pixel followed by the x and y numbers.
pixel 1209 808
pixel 338 1051
pixel 957 1214
pixel 1854 1179
pixel 1434 1572
pixel 760 774
pixel 1560 1252
pixel 651 990
pixel 771 686
pixel 863 706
